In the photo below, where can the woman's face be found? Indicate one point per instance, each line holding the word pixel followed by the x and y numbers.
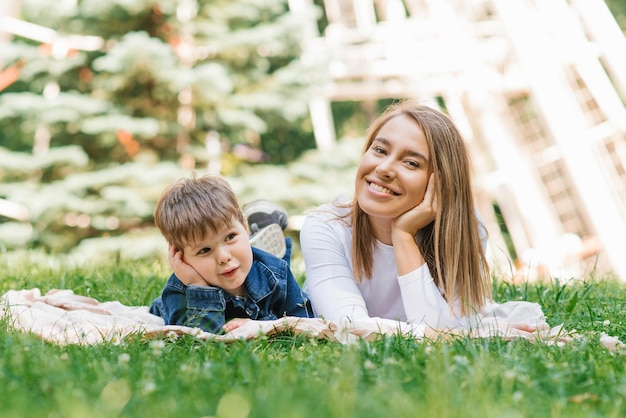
pixel 393 173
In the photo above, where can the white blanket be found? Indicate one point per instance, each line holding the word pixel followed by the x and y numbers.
pixel 62 317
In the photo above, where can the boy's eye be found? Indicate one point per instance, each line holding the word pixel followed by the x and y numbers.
pixel 230 236
pixel 204 250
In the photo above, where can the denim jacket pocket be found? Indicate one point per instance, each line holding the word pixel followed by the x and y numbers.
pixel 205 299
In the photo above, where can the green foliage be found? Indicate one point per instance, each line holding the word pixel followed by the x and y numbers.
pixel 233 64
pixel 584 305
pixel 83 204
pixel 98 212
pixel 618 8
pixel 64 121
pixel 89 138
pixel 289 375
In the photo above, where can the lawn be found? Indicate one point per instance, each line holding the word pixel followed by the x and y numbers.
pixel 293 376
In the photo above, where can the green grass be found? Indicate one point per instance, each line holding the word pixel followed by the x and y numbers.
pixel 292 376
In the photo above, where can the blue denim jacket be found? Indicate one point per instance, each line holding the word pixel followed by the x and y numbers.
pixel 271 292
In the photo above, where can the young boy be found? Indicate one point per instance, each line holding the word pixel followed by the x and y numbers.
pixel 218 275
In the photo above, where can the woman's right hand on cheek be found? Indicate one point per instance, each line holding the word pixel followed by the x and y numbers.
pixel 421 215
pixel 185 273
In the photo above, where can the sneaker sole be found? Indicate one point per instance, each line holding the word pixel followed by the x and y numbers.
pixel 270 239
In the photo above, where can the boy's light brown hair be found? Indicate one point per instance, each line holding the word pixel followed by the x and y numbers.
pixel 192 207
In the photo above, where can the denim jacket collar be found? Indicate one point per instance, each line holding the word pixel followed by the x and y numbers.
pixel 261 280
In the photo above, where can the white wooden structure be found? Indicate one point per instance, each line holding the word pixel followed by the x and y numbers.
pixel 537 86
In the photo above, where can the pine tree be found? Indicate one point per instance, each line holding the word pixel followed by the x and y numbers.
pixel 110 101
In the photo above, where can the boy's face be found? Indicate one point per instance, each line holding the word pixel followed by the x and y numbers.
pixel 223 259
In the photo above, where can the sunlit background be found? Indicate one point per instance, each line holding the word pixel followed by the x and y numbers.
pixel 103 103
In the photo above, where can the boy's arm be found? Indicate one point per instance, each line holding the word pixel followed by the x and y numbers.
pixel 193 306
pixel 206 308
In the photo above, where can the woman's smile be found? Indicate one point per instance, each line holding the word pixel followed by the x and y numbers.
pixel 382 189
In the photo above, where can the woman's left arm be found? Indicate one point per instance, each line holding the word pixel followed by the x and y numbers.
pixel 424 303
pixel 422 299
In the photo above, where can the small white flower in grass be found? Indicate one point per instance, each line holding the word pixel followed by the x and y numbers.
pixel 148 387
pixel 196 332
pixel 517 396
pixel 115 339
pixel 369 365
pixel 157 346
pixel 123 358
pixel 390 361
pixel 64 357
pixel 606 323
pixel 172 336
pixel 461 360
pixel 510 374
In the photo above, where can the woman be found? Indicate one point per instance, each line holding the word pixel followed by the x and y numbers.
pixel 409 250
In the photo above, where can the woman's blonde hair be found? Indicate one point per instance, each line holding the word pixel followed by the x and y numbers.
pixel 188 209
pixel 451 243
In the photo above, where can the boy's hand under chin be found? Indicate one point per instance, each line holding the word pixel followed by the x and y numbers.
pixel 185 272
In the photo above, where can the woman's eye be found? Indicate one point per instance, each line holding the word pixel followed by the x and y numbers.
pixel 378 150
pixel 413 164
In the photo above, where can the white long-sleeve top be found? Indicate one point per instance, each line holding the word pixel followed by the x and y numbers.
pixel 407 302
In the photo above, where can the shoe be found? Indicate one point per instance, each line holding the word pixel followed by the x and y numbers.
pixel 262 213
pixel 270 239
